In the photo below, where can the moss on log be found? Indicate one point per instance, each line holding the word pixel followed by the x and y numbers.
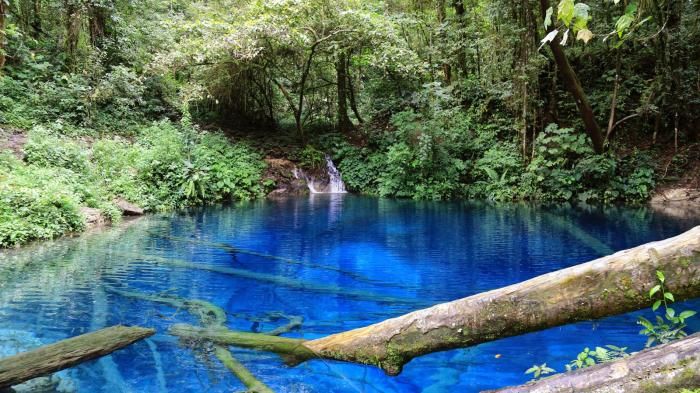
pixel 292 350
pixel 665 368
pixel 68 353
pixel 253 384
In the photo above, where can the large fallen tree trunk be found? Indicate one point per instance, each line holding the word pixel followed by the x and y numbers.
pixel 665 368
pixel 67 353
pixel 607 286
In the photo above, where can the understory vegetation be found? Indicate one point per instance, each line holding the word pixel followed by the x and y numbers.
pixel 593 102
pixel 159 167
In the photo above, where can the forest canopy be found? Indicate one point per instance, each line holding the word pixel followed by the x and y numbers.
pixel 594 101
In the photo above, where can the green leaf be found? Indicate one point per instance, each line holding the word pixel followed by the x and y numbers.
pixel 656 305
pixel 565 11
pixel 687 314
pixel 669 296
pixel 548 17
pixel 660 276
pixel 670 313
pixel 654 290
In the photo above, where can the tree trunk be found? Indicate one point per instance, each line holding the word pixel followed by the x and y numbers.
pixel 73 19
pixel 351 93
pixel 665 368
pixel 3 38
pixel 573 84
pixel 67 353
pixel 344 123
pixel 611 285
pixel 36 19
pixel 98 23
pixel 460 12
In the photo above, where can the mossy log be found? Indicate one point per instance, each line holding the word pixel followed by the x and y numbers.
pixel 607 286
pixel 665 368
pixel 292 350
pixel 67 353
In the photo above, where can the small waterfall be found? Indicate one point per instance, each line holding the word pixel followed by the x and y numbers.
pixel 331 184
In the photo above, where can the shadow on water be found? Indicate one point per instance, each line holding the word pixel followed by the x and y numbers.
pixel 335 261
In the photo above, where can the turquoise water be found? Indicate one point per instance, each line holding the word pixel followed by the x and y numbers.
pixel 338 261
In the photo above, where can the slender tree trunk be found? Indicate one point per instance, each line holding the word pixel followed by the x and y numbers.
pixel 574 86
pixel 36 18
pixel 442 17
pixel 351 92
pixel 460 12
pixel 665 368
pixel 611 285
pixel 344 123
pixel 613 104
pixel 3 37
pixel 73 19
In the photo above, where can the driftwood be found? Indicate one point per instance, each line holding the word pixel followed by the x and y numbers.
pixel 607 286
pixel 67 353
pixel 665 368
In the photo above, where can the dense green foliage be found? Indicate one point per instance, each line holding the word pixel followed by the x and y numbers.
pixel 431 99
pixel 163 166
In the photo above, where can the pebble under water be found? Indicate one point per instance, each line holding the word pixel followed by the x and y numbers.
pixel 338 261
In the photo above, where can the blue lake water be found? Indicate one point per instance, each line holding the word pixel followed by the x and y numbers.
pixel 335 260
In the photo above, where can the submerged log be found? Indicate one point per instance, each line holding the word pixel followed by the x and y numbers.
pixel 210 316
pixel 611 285
pixel 665 368
pixel 67 353
pixel 285 282
pixel 237 250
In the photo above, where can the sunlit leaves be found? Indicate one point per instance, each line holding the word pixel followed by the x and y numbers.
pixel 565 11
pixel 584 35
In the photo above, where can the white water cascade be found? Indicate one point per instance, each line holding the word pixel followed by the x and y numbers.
pixel 331 184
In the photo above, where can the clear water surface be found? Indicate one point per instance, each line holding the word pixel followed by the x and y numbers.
pixel 339 257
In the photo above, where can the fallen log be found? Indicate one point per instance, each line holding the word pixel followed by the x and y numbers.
pixel 611 285
pixel 67 353
pixel 665 368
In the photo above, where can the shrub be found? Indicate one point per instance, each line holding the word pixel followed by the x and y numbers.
pixel 47 150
